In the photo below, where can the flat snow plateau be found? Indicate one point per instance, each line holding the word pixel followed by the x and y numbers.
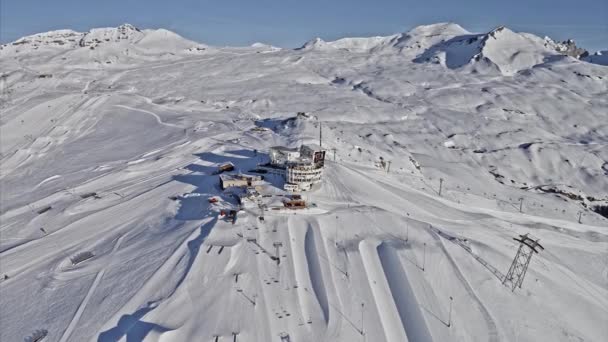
pixel 109 140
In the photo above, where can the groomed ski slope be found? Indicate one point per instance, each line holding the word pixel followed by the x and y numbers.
pixel 117 159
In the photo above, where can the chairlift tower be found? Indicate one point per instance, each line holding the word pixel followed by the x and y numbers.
pixel 277 245
pixel 528 246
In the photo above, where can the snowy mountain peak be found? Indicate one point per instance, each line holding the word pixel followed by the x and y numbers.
pixel 500 50
pixel 68 38
pixel 105 45
pixel 313 44
pixel 445 29
pixel 122 33
pixel 498 30
pixel 511 51
pixel 127 27
pixel 569 48
pixel 264 47
pixel 422 36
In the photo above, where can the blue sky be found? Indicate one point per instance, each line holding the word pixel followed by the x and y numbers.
pixel 289 23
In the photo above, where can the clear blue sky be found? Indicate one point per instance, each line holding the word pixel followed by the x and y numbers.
pixel 289 23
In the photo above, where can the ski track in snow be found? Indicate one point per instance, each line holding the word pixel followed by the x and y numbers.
pixel 158 119
pixel 74 322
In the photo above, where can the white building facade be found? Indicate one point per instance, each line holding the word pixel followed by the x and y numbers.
pixel 302 168
pixel 240 180
pixel 280 155
pixel 305 176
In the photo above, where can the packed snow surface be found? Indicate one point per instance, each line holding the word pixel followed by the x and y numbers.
pixel 442 146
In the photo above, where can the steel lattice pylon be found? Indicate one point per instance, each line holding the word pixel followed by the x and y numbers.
pixel 527 247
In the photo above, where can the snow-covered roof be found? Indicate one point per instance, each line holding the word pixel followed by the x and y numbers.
pixel 313 147
pixel 284 149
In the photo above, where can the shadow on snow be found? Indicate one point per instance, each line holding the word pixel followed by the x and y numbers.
pixel 193 206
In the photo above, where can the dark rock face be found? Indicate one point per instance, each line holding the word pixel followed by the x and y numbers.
pixel 601 209
pixel 569 48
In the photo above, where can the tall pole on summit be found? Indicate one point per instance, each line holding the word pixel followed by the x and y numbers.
pixel 320 135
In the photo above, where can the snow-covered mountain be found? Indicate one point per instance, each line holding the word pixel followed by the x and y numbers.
pixel 122 44
pixel 447 44
pixel 442 145
pixel 411 43
pixel 500 50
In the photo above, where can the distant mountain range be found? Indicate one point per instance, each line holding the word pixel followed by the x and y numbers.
pixel 451 45
pixel 501 50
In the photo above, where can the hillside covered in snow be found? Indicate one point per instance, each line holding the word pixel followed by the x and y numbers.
pixel 442 146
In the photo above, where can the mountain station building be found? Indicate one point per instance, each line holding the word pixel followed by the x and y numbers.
pixel 301 167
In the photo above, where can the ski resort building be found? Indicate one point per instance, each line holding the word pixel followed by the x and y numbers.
pixel 280 155
pixel 224 168
pixel 302 168
pixel 240 180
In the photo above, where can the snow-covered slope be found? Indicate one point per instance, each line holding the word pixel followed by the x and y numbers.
pixel 106 171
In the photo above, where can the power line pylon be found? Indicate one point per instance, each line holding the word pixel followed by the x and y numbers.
pixel 527 247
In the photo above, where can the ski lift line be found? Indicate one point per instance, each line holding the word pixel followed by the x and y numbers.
pixel 493 334
pixel 469 157
pixel 72 107
pixel 586 289
pixel 360 331
pixel 377 226
pixel 415 177
pixel 266 271
pixel 331 264
pixel 457 241
pixel 387 184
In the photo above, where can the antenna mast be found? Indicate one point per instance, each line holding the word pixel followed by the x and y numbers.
pixel 320 135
